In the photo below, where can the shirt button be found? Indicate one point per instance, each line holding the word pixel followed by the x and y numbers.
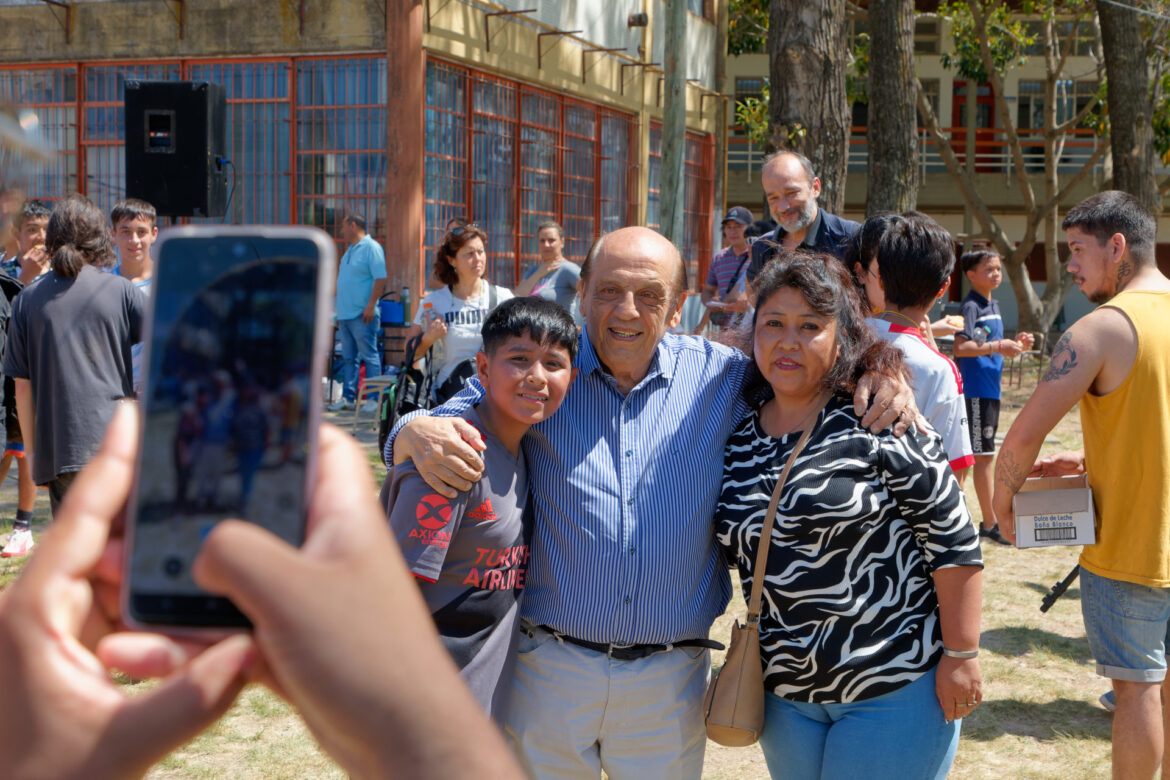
pixel 631 551
pixel 630 502
pixel 627 600
pixel 629 453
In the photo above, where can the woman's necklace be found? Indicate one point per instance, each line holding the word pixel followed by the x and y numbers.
pixel 882 314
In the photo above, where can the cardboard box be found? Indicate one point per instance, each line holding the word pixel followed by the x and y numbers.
pixel 1054 511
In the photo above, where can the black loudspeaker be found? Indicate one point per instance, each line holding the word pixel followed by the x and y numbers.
pixel 175 144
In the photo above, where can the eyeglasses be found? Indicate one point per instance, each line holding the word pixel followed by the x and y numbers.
pixel 461 229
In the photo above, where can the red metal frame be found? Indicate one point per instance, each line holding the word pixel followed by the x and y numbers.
pixel 522 252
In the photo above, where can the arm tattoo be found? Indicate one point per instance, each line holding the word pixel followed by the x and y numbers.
pixel 1008 473
pixel 1064 359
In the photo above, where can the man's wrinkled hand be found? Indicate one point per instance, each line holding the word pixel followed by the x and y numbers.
pixel 445 451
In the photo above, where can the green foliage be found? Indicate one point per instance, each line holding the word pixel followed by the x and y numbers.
pixel 1008 39
pixel 752 113
pixel 747 27
pixel 857 75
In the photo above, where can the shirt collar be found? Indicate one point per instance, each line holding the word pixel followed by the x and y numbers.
pixel 660 365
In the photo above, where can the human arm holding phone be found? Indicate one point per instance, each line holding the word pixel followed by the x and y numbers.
pixel 61 714
pixel 373 682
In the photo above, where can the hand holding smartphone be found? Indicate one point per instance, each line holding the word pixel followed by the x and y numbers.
pixel 236 340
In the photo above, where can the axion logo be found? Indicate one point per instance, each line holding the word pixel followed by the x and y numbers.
pixel 433 512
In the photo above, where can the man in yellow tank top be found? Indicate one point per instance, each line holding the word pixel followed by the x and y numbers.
pixel 1116 363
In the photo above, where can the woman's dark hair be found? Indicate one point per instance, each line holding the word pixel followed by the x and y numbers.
pixel 452 243
pixel 77 236
pixel 861 249
pixel 829 289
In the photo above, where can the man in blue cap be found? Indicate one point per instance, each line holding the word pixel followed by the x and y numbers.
pixel 722 292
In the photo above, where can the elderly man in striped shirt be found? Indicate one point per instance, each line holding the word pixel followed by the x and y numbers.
pixel 624 579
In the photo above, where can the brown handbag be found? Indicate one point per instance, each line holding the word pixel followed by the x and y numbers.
pixel 734 704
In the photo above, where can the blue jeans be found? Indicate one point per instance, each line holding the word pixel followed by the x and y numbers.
pixel 359 343
pixel 899 736
pixel 1128 627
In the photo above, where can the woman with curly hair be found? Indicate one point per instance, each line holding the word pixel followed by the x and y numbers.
pixel 869 625
pixel 454 314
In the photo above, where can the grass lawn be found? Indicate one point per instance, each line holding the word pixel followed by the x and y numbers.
pixel 1040 717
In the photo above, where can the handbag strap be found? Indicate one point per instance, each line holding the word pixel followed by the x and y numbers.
pixel 760 570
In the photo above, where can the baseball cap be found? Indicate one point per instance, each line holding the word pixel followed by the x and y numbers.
pixel 738 214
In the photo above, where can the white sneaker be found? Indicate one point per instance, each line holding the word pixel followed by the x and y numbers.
pixel 20 542
pixel 339 406
pixel 370 407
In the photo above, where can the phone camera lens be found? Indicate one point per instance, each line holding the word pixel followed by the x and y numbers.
pixel 173 566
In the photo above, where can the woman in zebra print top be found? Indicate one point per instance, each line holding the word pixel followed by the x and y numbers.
pixel 872 596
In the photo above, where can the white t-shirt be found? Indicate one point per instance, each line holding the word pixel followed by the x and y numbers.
pixel 938 390
pixel 464 318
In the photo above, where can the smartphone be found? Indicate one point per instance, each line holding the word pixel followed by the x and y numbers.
pixel 235 344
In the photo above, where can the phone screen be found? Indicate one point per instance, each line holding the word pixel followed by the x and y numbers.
pixel 226 423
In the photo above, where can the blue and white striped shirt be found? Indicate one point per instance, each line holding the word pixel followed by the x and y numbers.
pixel 625 489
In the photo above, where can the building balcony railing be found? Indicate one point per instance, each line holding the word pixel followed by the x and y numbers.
pixel 991 152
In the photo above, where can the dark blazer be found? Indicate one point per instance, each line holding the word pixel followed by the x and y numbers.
pixel 828 233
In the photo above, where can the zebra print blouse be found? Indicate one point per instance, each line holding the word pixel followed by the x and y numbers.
pixel 849 608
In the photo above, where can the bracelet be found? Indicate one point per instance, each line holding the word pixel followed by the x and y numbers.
pixel 960 653
pixel 994 347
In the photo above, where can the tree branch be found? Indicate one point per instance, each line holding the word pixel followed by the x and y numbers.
pixel 1069 43
pixel 1069 124
pixel 993 76
pixel 966 184
pixel 1076 179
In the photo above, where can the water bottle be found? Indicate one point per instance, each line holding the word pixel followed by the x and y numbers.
pixel 406 318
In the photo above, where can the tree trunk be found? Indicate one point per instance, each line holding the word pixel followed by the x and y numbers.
pixel 892 184
pixel 809 113
pixel 674 123
pixel 1130 126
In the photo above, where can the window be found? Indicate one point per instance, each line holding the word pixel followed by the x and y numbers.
pixel 258 141
pixel 698 195
pixel 745 87
pixel 493 173
pixel 518 157
pixel 341 141
pixel 1071 98
pixel 1030 105
pixel 444 150
pixel 703 8
pixel 926 36
pixel 52 94
pixel 751 87
pixel 1082 47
